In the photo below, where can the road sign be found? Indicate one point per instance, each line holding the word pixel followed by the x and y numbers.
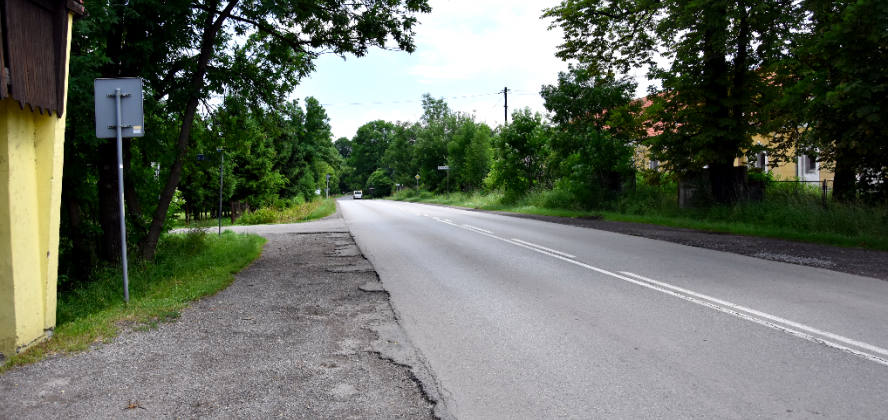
pixel 132 120
pixel 118 105
pixel 201 157
pixel 443 168
pixel 417 176
pixel 328 177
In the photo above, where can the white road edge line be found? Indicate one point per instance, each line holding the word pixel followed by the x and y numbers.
pixel 477 228
pixel 789 331
pixel 794 324
pixel 544 248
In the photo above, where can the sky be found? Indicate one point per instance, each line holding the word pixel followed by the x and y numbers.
pixel 463 48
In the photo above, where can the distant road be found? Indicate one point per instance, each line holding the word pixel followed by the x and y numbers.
pixel 522 319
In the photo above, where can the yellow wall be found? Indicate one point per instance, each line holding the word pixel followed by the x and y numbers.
pixel 784 170
pixel 31 158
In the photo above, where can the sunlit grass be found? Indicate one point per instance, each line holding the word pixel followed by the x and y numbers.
pixel 788 212
pixel 313 210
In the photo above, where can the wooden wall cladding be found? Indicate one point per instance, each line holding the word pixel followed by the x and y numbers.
pixel 34 50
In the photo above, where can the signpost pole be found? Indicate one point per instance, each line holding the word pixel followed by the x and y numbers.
pixel 119 119
pixel 221 180
pixel 119 124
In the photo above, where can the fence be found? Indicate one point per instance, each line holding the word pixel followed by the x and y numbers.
pixel 798 187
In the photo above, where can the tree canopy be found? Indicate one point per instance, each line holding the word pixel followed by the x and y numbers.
pixel 714 90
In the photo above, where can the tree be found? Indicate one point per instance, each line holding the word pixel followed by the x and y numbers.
pixel 597 126
pixel 343 146
pixel 521 153
pixel 838 89
pixel 368 148
pixel 400 155
pixel 381 183
pixel 714 91
pixel 469 152
pixel 190 51
pixel 436 126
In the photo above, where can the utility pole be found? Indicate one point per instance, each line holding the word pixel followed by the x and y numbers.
pixel 505 93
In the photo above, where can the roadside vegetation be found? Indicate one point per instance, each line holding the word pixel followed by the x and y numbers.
pixel 188 266
pixel 748 87
pixel 281 212
pixel 787 212
pixel 312 210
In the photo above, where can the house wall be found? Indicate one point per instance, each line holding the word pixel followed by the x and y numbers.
pixel 31 158
pixel 784 170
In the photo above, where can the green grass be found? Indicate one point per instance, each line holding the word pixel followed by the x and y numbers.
pixel 296 213
pixel 188 266
pixel 786 213
pixel 179 222
pixel 313 210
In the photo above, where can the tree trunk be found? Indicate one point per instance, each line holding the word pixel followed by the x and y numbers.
pixel 83 255
pixel 109 202
pixel 129 191
pixel 716 73
pixel 723 181
pixel 211 28
pixel 844 182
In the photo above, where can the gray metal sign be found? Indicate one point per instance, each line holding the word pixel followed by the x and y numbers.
pixel 133 120
pixel 444 168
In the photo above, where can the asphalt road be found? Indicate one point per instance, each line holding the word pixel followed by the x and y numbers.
pixel 522 319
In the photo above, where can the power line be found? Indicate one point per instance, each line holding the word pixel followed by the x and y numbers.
pixel 413 101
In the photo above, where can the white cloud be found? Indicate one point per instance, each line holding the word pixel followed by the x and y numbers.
pixel 462 39
pixel 464 47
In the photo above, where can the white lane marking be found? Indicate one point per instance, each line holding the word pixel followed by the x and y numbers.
pixel 790 331
pixel 794 324
pixel 477 228
pixel 544 248
pixel 400 208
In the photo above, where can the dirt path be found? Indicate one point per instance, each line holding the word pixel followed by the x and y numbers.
pixel 304 332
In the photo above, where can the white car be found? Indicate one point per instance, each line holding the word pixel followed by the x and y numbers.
pixel 358 194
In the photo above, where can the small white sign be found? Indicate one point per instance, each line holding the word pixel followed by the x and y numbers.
pixel 444 168
pixel 318 192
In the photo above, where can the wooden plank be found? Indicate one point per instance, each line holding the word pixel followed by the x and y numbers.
pixel 36 43
pixel 4 91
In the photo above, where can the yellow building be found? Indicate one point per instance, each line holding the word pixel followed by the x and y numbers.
pixel 33 88
pixel 803 167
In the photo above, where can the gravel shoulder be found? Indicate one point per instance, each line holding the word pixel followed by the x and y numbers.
pixel 306 331
pixel 858 261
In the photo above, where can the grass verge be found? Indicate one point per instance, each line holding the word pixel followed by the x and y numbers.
pixel 783 215
pixel 313 210
pixel 188 266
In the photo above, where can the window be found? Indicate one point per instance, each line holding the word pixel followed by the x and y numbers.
pixel 761 161
pixel 810 164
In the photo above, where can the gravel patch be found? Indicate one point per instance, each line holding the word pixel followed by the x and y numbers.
pixel 306 331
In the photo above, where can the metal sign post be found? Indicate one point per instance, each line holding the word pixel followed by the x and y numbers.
pixel 446 168
pixel 221 181
pixel 119 119
pixel 327 195
pixel 417 184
